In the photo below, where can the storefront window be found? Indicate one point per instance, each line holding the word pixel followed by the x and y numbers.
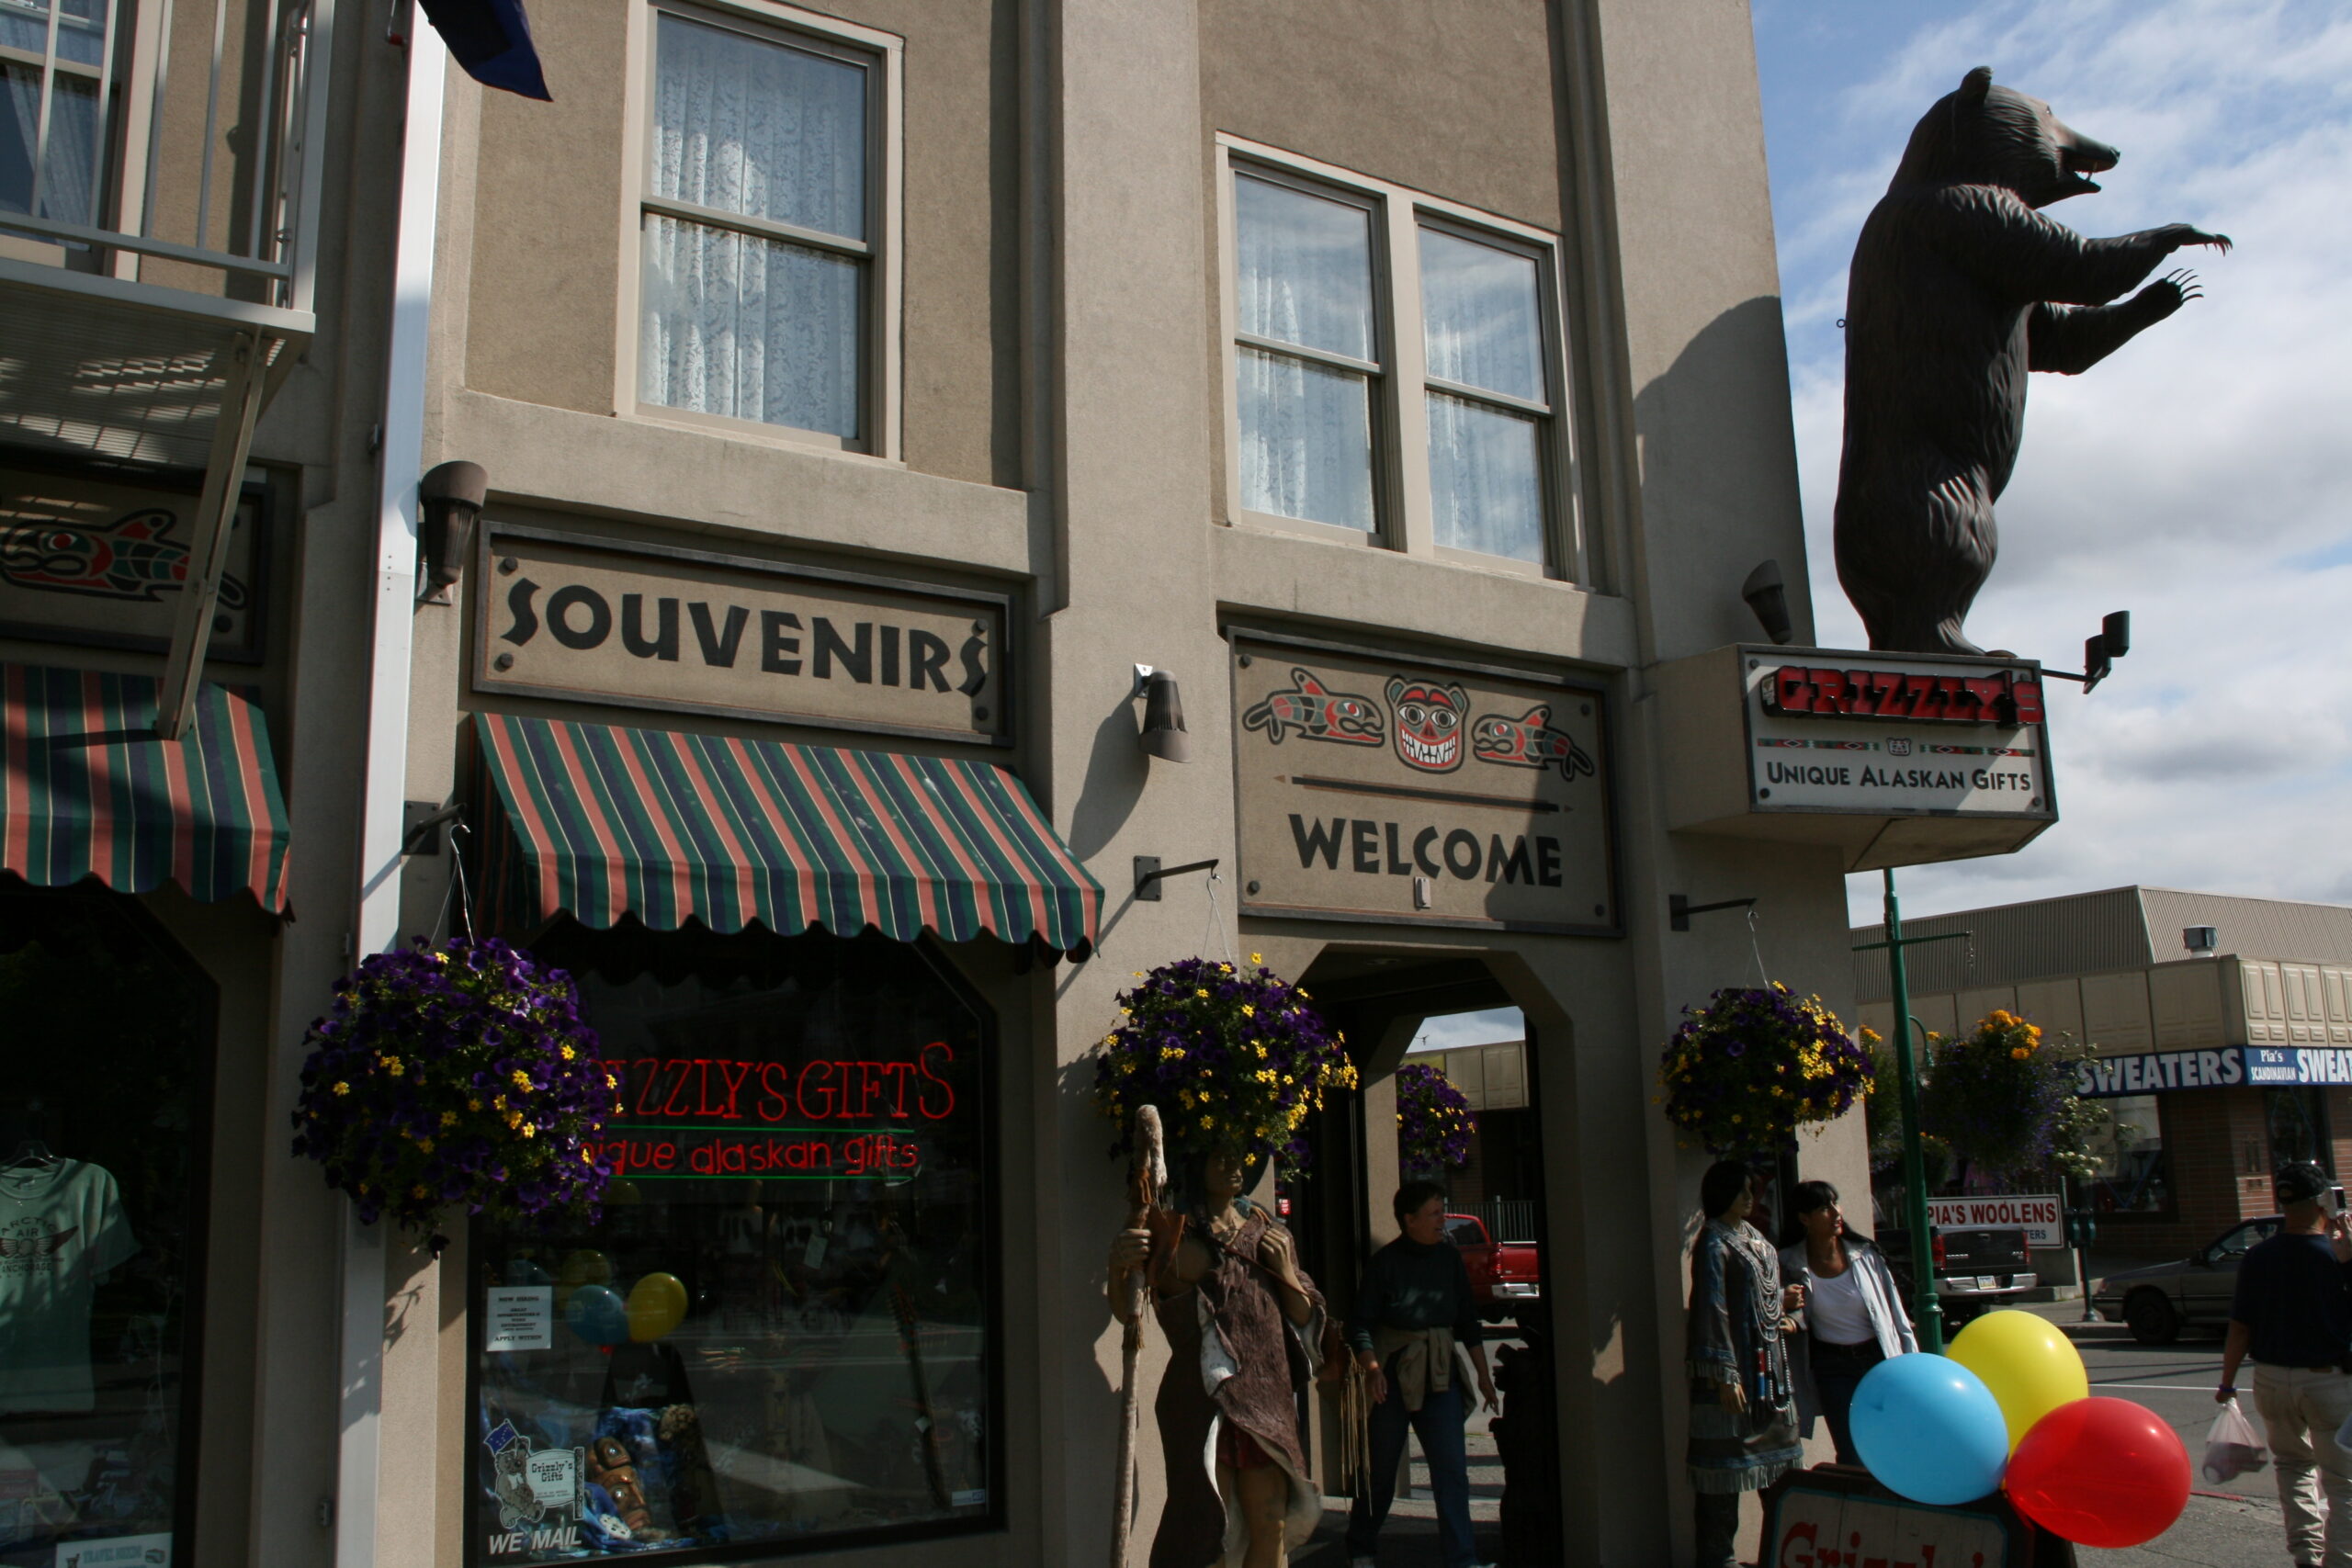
pixel 102 1112
pixel 2297 1123
pixel 2134 1175
pixel 780 1334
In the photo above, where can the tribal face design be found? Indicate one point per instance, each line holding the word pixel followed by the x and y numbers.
pixel 1428 723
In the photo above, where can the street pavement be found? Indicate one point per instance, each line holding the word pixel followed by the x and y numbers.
pixel 2232 1523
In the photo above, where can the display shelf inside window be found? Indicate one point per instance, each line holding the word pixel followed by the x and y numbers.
pixel 782 1331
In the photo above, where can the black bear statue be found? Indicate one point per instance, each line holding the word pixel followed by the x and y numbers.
pixel 1960 286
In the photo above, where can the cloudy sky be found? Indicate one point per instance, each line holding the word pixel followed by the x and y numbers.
pixel 2200 477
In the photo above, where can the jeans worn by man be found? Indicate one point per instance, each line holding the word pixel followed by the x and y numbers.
pixel 2292 1312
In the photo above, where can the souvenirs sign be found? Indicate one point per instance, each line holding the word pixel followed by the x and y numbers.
pixel 642 626
pixel 102 562
pixel 1374 787
pixel 1833 1518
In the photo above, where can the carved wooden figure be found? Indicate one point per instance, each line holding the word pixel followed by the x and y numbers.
pixel 1960 286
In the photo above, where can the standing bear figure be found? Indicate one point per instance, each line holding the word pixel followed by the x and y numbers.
pixel 1958 286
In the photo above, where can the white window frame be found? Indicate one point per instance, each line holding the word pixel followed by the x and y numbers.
pixel 884 54
pixel 1404 510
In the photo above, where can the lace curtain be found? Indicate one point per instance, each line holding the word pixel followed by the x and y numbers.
pixel 736 323
pixel 1482 328
pixel 1303 270
pixel 70 192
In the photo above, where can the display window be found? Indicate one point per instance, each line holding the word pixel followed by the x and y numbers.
pixel 2297 1119
pixel 781 1332
pixel 103 1112
pixel 2134 1174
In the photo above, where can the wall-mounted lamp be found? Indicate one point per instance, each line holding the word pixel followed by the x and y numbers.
pixel 1769 597
pixel 1163 715
pixel 449 501
pixel 2100 651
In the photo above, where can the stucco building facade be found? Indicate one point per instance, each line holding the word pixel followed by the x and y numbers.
pixel 862 394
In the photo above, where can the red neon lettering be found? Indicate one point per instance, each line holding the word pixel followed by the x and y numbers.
pixel 2025 696
pixel 817 1101
pixel 684 1066
pixel 947 1090
pixel 652 1075
pixel 899 1072
pixel 734 1081
pixel 769 1093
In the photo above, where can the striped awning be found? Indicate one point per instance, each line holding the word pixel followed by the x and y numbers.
pixel 87 790
pixel 602 822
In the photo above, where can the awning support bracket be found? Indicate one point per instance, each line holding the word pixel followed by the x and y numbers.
pixel 245 388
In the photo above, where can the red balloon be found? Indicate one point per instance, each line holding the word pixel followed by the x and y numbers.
pixel 2100 1472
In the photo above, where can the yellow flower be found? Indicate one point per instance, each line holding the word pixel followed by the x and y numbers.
pixel 1249 1011
pixel 343 1088
pixel 392 1065
pixel 476 1104
pixel 498 1104
pixel 529 1131
pixel 1207 1121
pixel 417 1190
pixel 448 1118
pixel 610 1082
pixel 1256 958
pixel 424 1146
pixel 569 1052
pixel 522 1079
pixel 2018 1055
pixel 1202 991
pixel 587 1158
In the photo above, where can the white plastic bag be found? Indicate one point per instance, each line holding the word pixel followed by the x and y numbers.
pixel 2232 1447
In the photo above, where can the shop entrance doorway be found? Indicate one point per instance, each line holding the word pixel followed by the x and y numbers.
pixel 1339 1203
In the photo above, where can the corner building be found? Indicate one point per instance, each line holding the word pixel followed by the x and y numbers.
pixel 862 395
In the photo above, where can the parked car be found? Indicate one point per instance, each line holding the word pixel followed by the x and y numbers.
pixel 2160 1301
pixel 1504 1275
pixel 1976 1270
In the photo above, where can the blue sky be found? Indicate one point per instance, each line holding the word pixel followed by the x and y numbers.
pixel 2200 477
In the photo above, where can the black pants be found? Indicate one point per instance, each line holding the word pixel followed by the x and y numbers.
pixel 1837 1370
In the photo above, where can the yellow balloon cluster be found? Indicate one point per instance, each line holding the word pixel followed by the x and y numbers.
pixel 2031 1367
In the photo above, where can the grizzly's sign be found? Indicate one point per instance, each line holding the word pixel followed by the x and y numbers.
pixel 641 626
pixel 1374 787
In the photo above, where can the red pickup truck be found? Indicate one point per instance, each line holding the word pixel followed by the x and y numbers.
pixel 1504 1275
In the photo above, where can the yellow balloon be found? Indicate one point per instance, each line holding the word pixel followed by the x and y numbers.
pixel 657 1303
pixel 2031 1367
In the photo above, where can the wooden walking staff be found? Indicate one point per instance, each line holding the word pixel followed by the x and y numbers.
pixel 1146 1180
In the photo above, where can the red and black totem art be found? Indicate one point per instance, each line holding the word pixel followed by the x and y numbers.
pixel 1428 723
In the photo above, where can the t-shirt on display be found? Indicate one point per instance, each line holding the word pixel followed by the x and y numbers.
pixel 61 1227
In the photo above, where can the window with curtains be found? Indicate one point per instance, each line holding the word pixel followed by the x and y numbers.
pixel 760 228
pixel 1397 365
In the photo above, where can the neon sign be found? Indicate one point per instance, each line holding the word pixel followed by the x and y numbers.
pixel 722 1118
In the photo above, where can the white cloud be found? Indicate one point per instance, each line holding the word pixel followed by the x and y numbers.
pixel 2197 477
pixel 1485 1028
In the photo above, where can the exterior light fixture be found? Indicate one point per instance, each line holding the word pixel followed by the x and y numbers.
pixel 2100 651
pixel 449 501
pixel 1769 597
pixel 1163 716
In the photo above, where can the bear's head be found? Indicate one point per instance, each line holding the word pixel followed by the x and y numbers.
pixel 1981 134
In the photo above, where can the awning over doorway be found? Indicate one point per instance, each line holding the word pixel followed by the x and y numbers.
pixel 87 790
pixel 604 822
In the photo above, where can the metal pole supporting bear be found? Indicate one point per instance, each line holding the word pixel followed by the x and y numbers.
pixel 1958 286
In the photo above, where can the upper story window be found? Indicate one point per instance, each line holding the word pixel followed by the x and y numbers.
pixel 1396 363
pixel 763 276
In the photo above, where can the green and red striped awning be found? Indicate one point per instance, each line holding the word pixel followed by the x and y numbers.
pixel 603 822
pixel 87 790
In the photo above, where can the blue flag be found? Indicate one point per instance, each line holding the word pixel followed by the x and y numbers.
pixel 491 39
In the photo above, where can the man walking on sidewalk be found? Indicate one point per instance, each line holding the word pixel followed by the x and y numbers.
pixel 2293 1313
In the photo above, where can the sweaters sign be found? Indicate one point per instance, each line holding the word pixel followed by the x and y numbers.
pixel 640 626
pixel 1387 788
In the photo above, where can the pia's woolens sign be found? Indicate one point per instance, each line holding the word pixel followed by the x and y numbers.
pixel 643 625
pixel 1378 787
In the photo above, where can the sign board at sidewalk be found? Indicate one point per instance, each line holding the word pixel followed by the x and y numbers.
pixel 2041 1215
pixel 1832 1517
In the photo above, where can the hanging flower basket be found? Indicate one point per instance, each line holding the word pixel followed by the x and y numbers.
pixel 456 1077
pixel 1433 1121
pixel 1234 1058
pixel 1996 1095
pixel 1749 1068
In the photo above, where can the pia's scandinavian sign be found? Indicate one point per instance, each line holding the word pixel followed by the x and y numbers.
pixel 1382 787
pixel 2040 1215
pixel 1932 740
pixel 641 626
pixel 1811 1526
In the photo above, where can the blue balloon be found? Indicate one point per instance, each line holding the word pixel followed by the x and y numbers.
pixel 523 1271
pixel 1929 1430
pixel 597 1315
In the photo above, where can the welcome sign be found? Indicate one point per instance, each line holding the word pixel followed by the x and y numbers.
pixel 1388 788
pixel 643 625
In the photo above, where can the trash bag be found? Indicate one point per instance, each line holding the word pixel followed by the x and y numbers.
pixel 2232 1447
